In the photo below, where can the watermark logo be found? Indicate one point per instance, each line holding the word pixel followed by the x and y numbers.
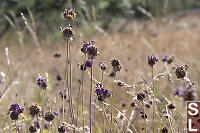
pixel 193 117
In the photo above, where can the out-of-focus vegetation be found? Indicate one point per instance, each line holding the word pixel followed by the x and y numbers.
pixel 102 12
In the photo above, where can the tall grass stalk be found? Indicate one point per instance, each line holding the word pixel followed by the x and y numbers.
pixel 111 115
pixel 82 102
pixel 70 84
pixel 145 125
pixel 91 102
pixel 153 88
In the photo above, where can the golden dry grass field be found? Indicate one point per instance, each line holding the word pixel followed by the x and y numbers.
pixel 179 38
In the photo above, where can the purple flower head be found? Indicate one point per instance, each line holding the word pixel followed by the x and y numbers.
pixel 164 111
pixel 102 94
pixel 14 107
pixel 177 92
pixel 92 42
pixel 55 113
pixel 141 111
pixel 49 116
pixel 102 66
pixel 21 110
pixel 89 63
pixel 37 125
pixel 152 60
pixel 19 128
pixel 46 126
pixel 85 47
pixel 63 95
pixel 164 58
pixel 42 82
pixel 15 110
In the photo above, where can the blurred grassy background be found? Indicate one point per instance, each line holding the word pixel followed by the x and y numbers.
pixel 101 12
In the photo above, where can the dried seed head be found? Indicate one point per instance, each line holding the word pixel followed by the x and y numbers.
pixel 14 115
pixel 34 110
pixel 116 65
pixel 69 14
pixel 120 83
pixel 58 77
pixel 92 51
pixel 82 67
pixel 188 95
pixel 57 55
pixel 147 105
pixel 152 60
pixel 171 106
pixel 123 104
pixel 133 104
pixel 102 66
pixel 143 115
pixel 63 94
pixel 61 129
pixel 141 96
pixel 49 116
pixel 67 32
pixel 32 129
pixel 164 130
pixel 112 74
pixel 98 85
pixel 180 71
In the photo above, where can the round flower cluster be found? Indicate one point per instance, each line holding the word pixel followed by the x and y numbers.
pixel 34 128
pixel 116 65
pixel 181 71
pixel 34 110
pixel 89 49
pixel 102 94
pixel 49 116
pixel 69 14
pixel 187 92
pixel 152 60
pixel 168 60
pixel 143 115
pixel 102 66
pixel 42 83
pixel 67 31
pixel 63 94
pixel 62 129
pixel 85 47
pixel 15 110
